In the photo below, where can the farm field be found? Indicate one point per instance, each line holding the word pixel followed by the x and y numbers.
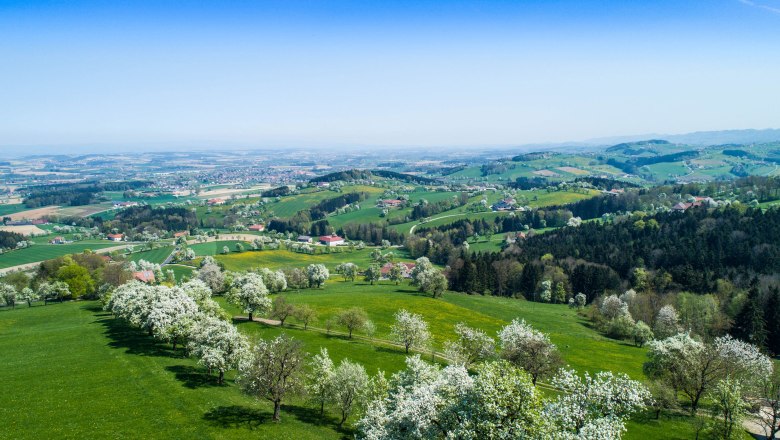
pixel 127 377
pixel 42 252
pixel 11 208
pixel 153 256
pixel 277 259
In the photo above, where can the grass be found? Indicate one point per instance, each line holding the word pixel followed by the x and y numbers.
pixel 12 208
pixel 277 259
pixel 42 252
pixel 120 383
pixel 153 256
pixel 215 247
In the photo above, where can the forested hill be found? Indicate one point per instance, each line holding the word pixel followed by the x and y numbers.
pixel 368 174
pixel 696 247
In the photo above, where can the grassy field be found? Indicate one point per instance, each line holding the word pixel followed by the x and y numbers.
pixel 215 247
pixel 153 256
pixel 277 259
pixel 122 384
pixel 42 252
pixel 11 208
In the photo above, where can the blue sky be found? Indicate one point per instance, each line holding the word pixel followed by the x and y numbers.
pixel 379 73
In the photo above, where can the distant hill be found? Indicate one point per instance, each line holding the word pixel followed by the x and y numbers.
pixel 367 174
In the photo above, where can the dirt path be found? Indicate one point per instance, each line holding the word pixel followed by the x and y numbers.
pixel 411 230
pixel 30 266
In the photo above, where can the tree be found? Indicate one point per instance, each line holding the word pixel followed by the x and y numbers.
pixel 353 319
pixel 317 274
pixel 692 367
pixel 275 280
pixel 249 291
pixel 421 266
pixel 217 344
pixel 666 323
pixel 305 314
pixel 172 315
pixel 348 270
pixel 396 274
pixel 410 330
pixel 212 275
pixel 273 371
pixel 471 346
pixel 296 278
pixel 528 349
pixel 79 282
pixel 642 334
pixel 424 402
pixel 612 307
pixel 201 294
pixel 372 274
pixel 8 294
pixel 29 296
pixel 349 384
pixel 281 309
pixel 546 293
pixel 225 250
pixel 727 395
pixel 559 295
pixel 319 381
pixel 749 324
pixel 433 282
pixel 769 410
pixel 597 406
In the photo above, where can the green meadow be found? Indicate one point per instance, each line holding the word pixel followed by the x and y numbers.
pixel 134 387
pixel 42 252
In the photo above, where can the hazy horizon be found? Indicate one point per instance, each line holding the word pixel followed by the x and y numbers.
pixel 169 75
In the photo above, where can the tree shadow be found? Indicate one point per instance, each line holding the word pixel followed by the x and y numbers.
pixel 134 341
pixel 236 416
pixel 312 416
pixel 192 377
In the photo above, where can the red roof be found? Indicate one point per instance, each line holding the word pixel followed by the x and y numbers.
pixel 386 268
pixel 146 276
pixel 113 236
pixel 257 227
pixel 181 234
pixel 330 238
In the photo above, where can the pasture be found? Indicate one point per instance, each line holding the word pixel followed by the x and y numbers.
pixel 142 389
pixel 42 252
pixel 278 259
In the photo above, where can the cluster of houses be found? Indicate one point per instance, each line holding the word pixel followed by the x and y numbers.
pixel 697 201
pixel 120 205
pixel 507 204
pixel 389 203
pixel 327 240
pixel 215 202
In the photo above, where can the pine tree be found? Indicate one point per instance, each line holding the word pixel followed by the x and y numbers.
pixel 749 324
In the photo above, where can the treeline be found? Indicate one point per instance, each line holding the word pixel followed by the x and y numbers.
pixel 526 183
pixel 371 233
pixel 323 208
pixel 276 192
pixel 368 174
pixel 140 218
pixel 312 221
pixel 423 210
pixel 8 240
pixel 605 183
pixel 631 166
pixel 74 194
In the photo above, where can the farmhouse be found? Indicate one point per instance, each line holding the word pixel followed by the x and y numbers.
pixel 145 276
pixel 115 237
pixel 118 205
pixel 304 239
pixel 57 240
pixel 181 234
pixel 503 205
pixel 216 202
pixel 390 203
pixel 331 240
pixel 323 184
pixel 257 228
pixel 406 272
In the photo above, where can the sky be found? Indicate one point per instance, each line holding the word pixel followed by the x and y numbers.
pixel 196 73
